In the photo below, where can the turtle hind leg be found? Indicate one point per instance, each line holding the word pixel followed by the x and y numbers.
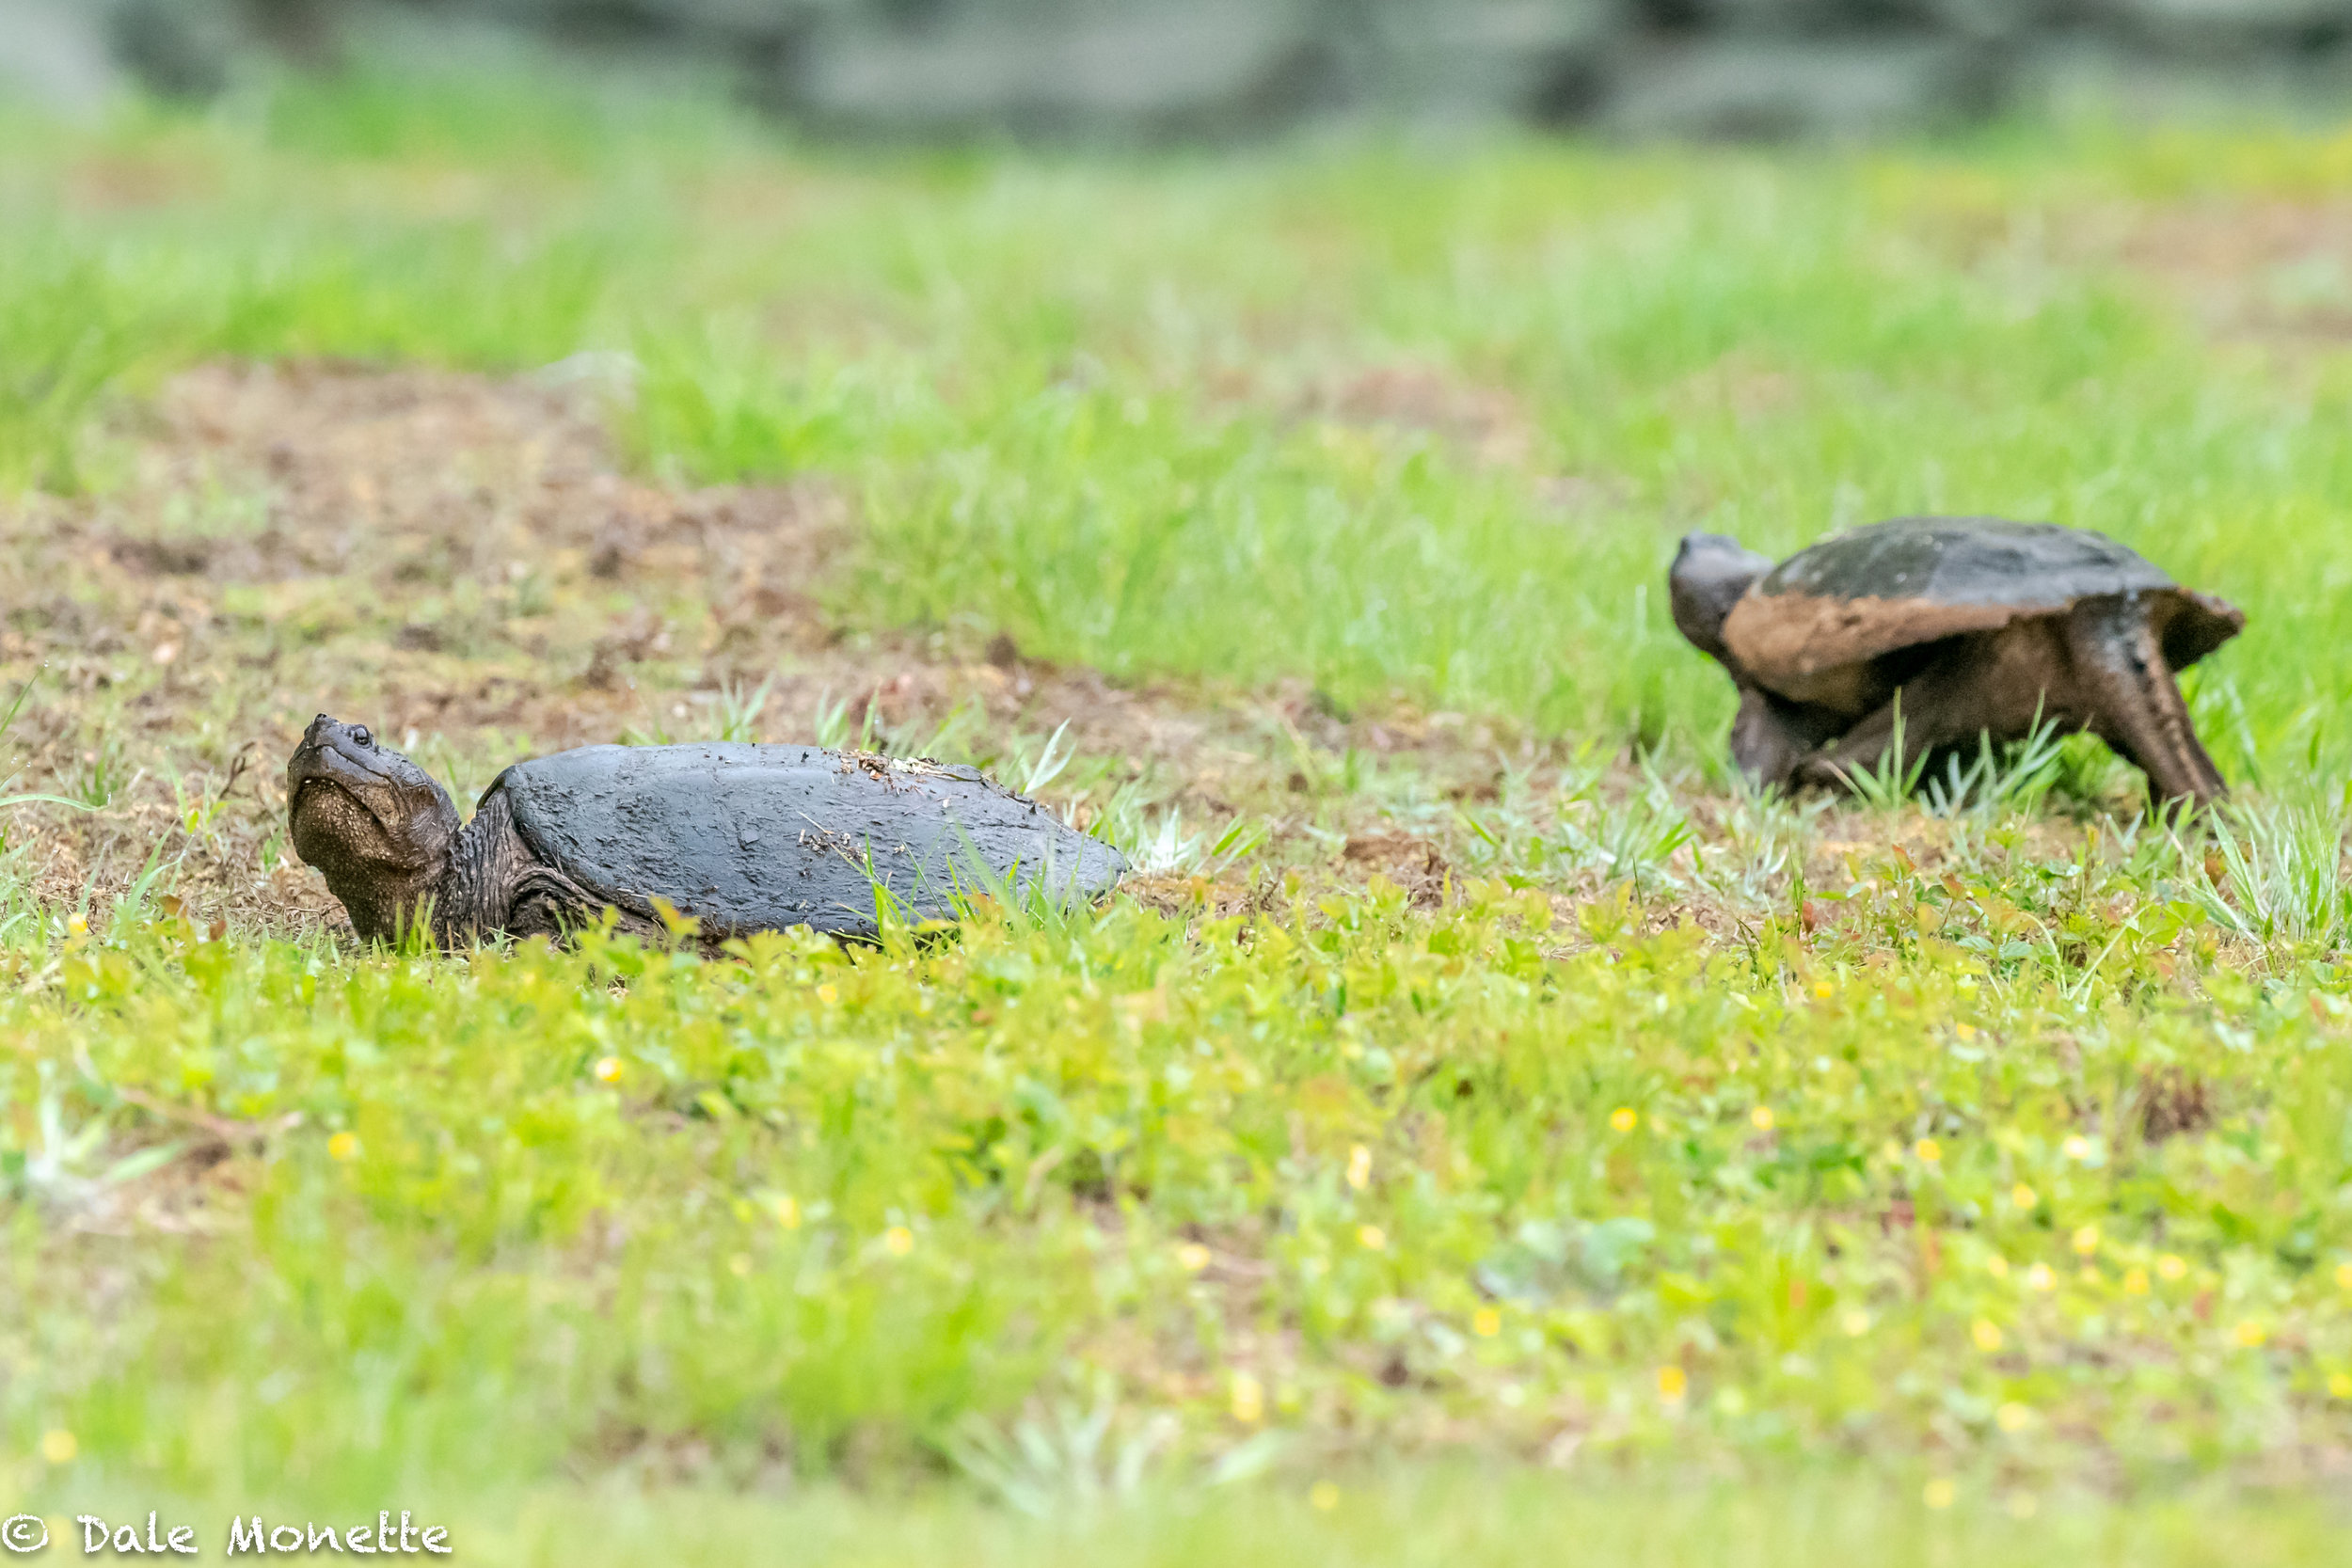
pixel 2134 702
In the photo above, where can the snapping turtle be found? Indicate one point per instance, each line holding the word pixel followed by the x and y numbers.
pixel 744 838
pixel 1981 626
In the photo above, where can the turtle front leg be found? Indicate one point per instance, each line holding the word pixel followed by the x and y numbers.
pixel 1770 736
pixel 2133 700
pixel 546 903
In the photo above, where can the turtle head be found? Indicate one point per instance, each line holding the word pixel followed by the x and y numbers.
pixel 373 821
pixel 1710 574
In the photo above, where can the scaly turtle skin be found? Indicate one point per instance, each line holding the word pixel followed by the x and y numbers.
pixel 743 838
pixel 1979 624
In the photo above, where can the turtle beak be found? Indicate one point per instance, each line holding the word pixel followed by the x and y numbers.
pixel 330 757
pixel 311 770
pixel 404 822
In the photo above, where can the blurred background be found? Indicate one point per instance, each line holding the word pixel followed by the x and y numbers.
pixel 1151 70
pixel 1293 503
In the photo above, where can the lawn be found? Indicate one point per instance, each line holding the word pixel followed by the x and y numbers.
pixel 1480 1124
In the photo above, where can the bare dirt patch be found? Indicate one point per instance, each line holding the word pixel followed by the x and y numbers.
pixel 465 565
pixel 1485 421
pixel 2269 270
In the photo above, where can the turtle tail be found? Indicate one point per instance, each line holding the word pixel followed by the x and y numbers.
pixel 2135 700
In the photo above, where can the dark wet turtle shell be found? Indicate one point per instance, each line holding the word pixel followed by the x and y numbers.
pixel 1893 585
pixel 752 838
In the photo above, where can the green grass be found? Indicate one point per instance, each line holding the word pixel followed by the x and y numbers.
pixel 1999 1165
pixel 1404 1515
pixel 1908 1197
pixel 1092 403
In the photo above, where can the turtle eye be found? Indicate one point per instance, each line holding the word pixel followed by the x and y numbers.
pixel 361 734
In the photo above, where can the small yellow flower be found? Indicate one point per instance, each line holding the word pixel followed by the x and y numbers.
pixel 1673 1383
pixel 2135 1282
pixel 1485 1322
pixel 2343 1276
pixel 2039 1277
pixel 1856 1322
pixel 2340 1386
pixel 1372 1238
pixel 740 1265
pixel 2171 1266
pixel 1249 1397
pixel 788 1211
pixel 2250 1334
pixel 897 1241
pixel 1762 1118
pixel 2087 1240
pixel 608 1070
pixel 1966 1031
pixel 828 994
pixel 2023 1196
pixel 59 1446
pixel 1928 1150
pixel 1625 1119
pixel 1324 1496
pixel 1359 1167
pixel 1823 989
pixel 1987 1333
pixel 1193 1255
pixel 2077 1147
pixel 2013 1417
pixel 76 926
pixel 1939 1494
pixel 1997 1266
pixel 343 1146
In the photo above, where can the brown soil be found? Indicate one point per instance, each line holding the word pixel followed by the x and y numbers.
pixel 465 565
pixel 1485 421
pixel 2269 270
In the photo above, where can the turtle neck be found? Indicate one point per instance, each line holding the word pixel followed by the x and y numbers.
pixel 476 889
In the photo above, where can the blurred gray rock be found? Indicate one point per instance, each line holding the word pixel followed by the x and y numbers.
pixel 177 48
pixel 699 21
pixel 1795 18
pixel 2127 83
pixel 1223 69
pixel 1740 88
pixel 58 52
pixel 1989 21
pixel 1542 60
pixel 2233 26
pixel 1778 18
pixel 1212 66
pixel 302 30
